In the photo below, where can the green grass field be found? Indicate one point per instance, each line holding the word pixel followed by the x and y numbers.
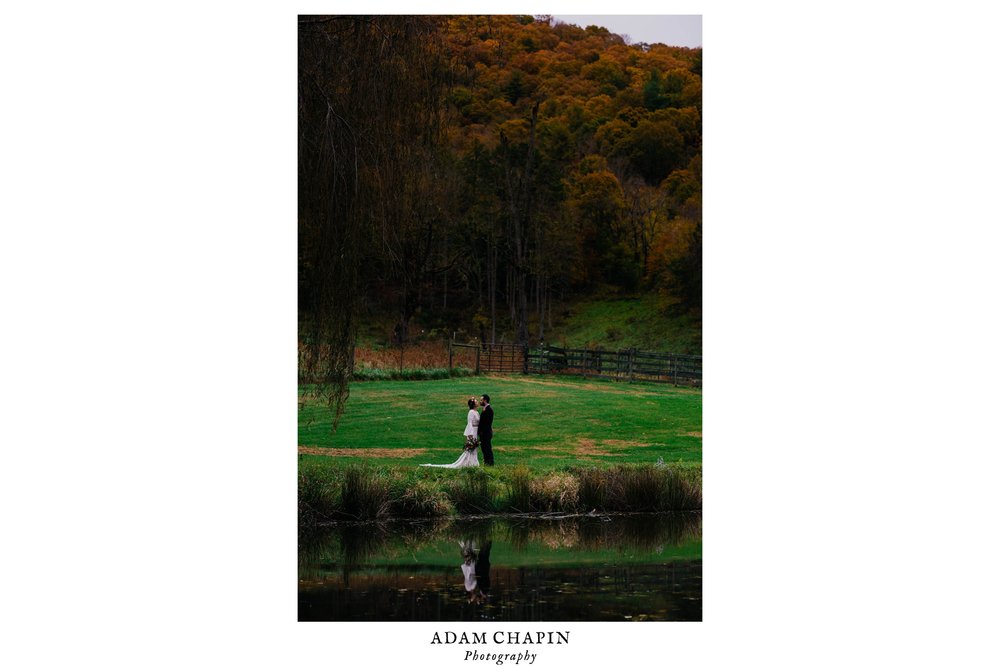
pixel 543 422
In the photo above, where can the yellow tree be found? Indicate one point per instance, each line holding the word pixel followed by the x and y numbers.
pixel 597 202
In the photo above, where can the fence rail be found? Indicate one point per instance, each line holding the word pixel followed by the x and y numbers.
pixel 627 365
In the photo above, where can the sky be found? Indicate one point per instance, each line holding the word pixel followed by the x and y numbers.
pixel 672 30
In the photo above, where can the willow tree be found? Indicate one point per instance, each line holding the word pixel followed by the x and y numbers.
pixel 360 81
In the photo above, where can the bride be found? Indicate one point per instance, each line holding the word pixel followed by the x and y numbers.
pixel 469 457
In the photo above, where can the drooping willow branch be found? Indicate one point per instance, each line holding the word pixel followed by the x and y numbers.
pixel 360 104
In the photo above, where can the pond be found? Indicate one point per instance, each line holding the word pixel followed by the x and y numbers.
pixel 591 568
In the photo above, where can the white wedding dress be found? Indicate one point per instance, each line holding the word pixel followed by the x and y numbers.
pixel 469 458
pixel 469 550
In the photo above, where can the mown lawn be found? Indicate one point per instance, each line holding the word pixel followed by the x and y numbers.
pixel 543 422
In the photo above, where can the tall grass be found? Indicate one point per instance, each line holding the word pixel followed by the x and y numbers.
pixel 519 490
pixel 473 491
pixel 424 354
pixel 371 374
pixel 317 498
pixel 363 492
pixel 637 488
pixel 422 499
pixel 593 487
pixel 556 492
pixel 426 360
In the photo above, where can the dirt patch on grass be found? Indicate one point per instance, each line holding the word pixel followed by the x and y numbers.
pixel 630 443
pixel 595 385
pixel 365 453
pixel 540 392
pixel 588 447
pixel 581 447
pixel 693 434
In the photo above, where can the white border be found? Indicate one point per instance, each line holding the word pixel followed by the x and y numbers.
pixel 147 258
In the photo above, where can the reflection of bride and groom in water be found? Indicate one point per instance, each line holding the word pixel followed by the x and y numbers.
pixel 448 570
pixel 476 570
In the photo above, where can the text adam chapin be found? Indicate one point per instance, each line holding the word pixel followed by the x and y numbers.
pixel 501 637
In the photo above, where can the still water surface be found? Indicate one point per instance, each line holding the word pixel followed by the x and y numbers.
pixel 618 568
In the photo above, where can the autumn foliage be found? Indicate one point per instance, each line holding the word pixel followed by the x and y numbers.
pixel 468 172
pixel 618 172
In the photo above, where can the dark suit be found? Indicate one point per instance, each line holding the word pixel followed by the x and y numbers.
pixel 486 434
pixel 483 567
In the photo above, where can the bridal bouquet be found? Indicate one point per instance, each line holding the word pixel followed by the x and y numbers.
pixel 471 443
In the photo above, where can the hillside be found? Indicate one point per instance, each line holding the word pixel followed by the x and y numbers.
pixel 624 322
pixel 608 321
pixel 504 177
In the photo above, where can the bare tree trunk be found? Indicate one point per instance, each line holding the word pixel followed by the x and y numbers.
pixel 519 200
pixel 444 288
pixel 548 299
pixel 522 309
pixel 541 309
pixel 492 259
pixel 511 295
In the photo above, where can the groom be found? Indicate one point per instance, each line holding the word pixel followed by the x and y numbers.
pixel 486 431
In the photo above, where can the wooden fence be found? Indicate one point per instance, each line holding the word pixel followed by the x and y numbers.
pixel 627 365
pixel 496 358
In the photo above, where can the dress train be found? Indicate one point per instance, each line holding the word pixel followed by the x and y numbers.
pixel 468 459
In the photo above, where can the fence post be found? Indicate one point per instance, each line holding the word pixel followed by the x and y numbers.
pixel 478 348
pixel 450 356
pixel 525 358
pixel 631 352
